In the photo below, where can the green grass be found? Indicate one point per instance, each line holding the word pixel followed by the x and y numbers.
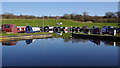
pixel 52 22
pixel 18 34
pixel 64 35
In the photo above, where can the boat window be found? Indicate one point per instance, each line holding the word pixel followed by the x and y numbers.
pixel 22 28
pixel 6 26
pixel 15 27
pixel 18 29
pixel 7 43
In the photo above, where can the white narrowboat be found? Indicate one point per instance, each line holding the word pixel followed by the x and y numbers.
pixel 36 29
pixel 21 29
pixel 51 29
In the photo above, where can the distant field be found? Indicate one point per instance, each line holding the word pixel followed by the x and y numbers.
pixel 52 22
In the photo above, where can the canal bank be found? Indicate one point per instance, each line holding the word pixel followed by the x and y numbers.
pixel 24 37
pixel 96 37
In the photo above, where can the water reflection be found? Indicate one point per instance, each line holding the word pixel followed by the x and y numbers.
pixel 97 42
pixel 69 39
pixel 111 43
pixel 66 36
pixel 59 33
pixel 29 41
pixel 9 43
pixel 60 51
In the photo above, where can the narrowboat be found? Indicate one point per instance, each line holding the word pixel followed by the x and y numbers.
pixel 9 28
pixel 66 29
pixel 74 29
pixel 97 31
pixel 21 29
pixel 85 29
pixel 36 29
pixel 46 29
pixel 29 29
pixel 51 29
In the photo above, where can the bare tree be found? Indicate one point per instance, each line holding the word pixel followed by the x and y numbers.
pixel 85 13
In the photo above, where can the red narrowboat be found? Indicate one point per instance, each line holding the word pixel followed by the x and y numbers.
pixel 21 29
pixel 9 28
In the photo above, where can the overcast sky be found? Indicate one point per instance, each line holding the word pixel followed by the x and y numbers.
pixel 60 0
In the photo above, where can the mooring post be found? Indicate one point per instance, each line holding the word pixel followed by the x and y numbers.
pixel 114 32
pixel 27 30
pixel 114 44
pixel 88 31
pixel 71 29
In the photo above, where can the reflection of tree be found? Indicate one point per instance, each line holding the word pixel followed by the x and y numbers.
pixel 67 39
pixel 111 43
pixel 79 40
pixel 96 41
pixel 74 40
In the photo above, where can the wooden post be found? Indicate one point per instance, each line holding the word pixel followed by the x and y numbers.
pixel 114 32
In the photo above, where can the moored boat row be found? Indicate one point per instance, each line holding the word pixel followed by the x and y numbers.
pixel 12 28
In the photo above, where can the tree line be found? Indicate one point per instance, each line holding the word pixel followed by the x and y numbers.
pixel 110 17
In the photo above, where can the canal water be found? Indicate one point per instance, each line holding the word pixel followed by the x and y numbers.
pixel 60 51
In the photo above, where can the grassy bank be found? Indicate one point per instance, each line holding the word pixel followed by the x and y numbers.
pixel 52 22
pixel 64 35
pixel 18 34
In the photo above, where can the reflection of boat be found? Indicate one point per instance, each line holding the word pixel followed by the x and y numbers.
pixel 9 43
pixel 97 37
pixel 59 33
pixel 75 40
pixel 111 43
pixel 29 41
pixel 96 41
